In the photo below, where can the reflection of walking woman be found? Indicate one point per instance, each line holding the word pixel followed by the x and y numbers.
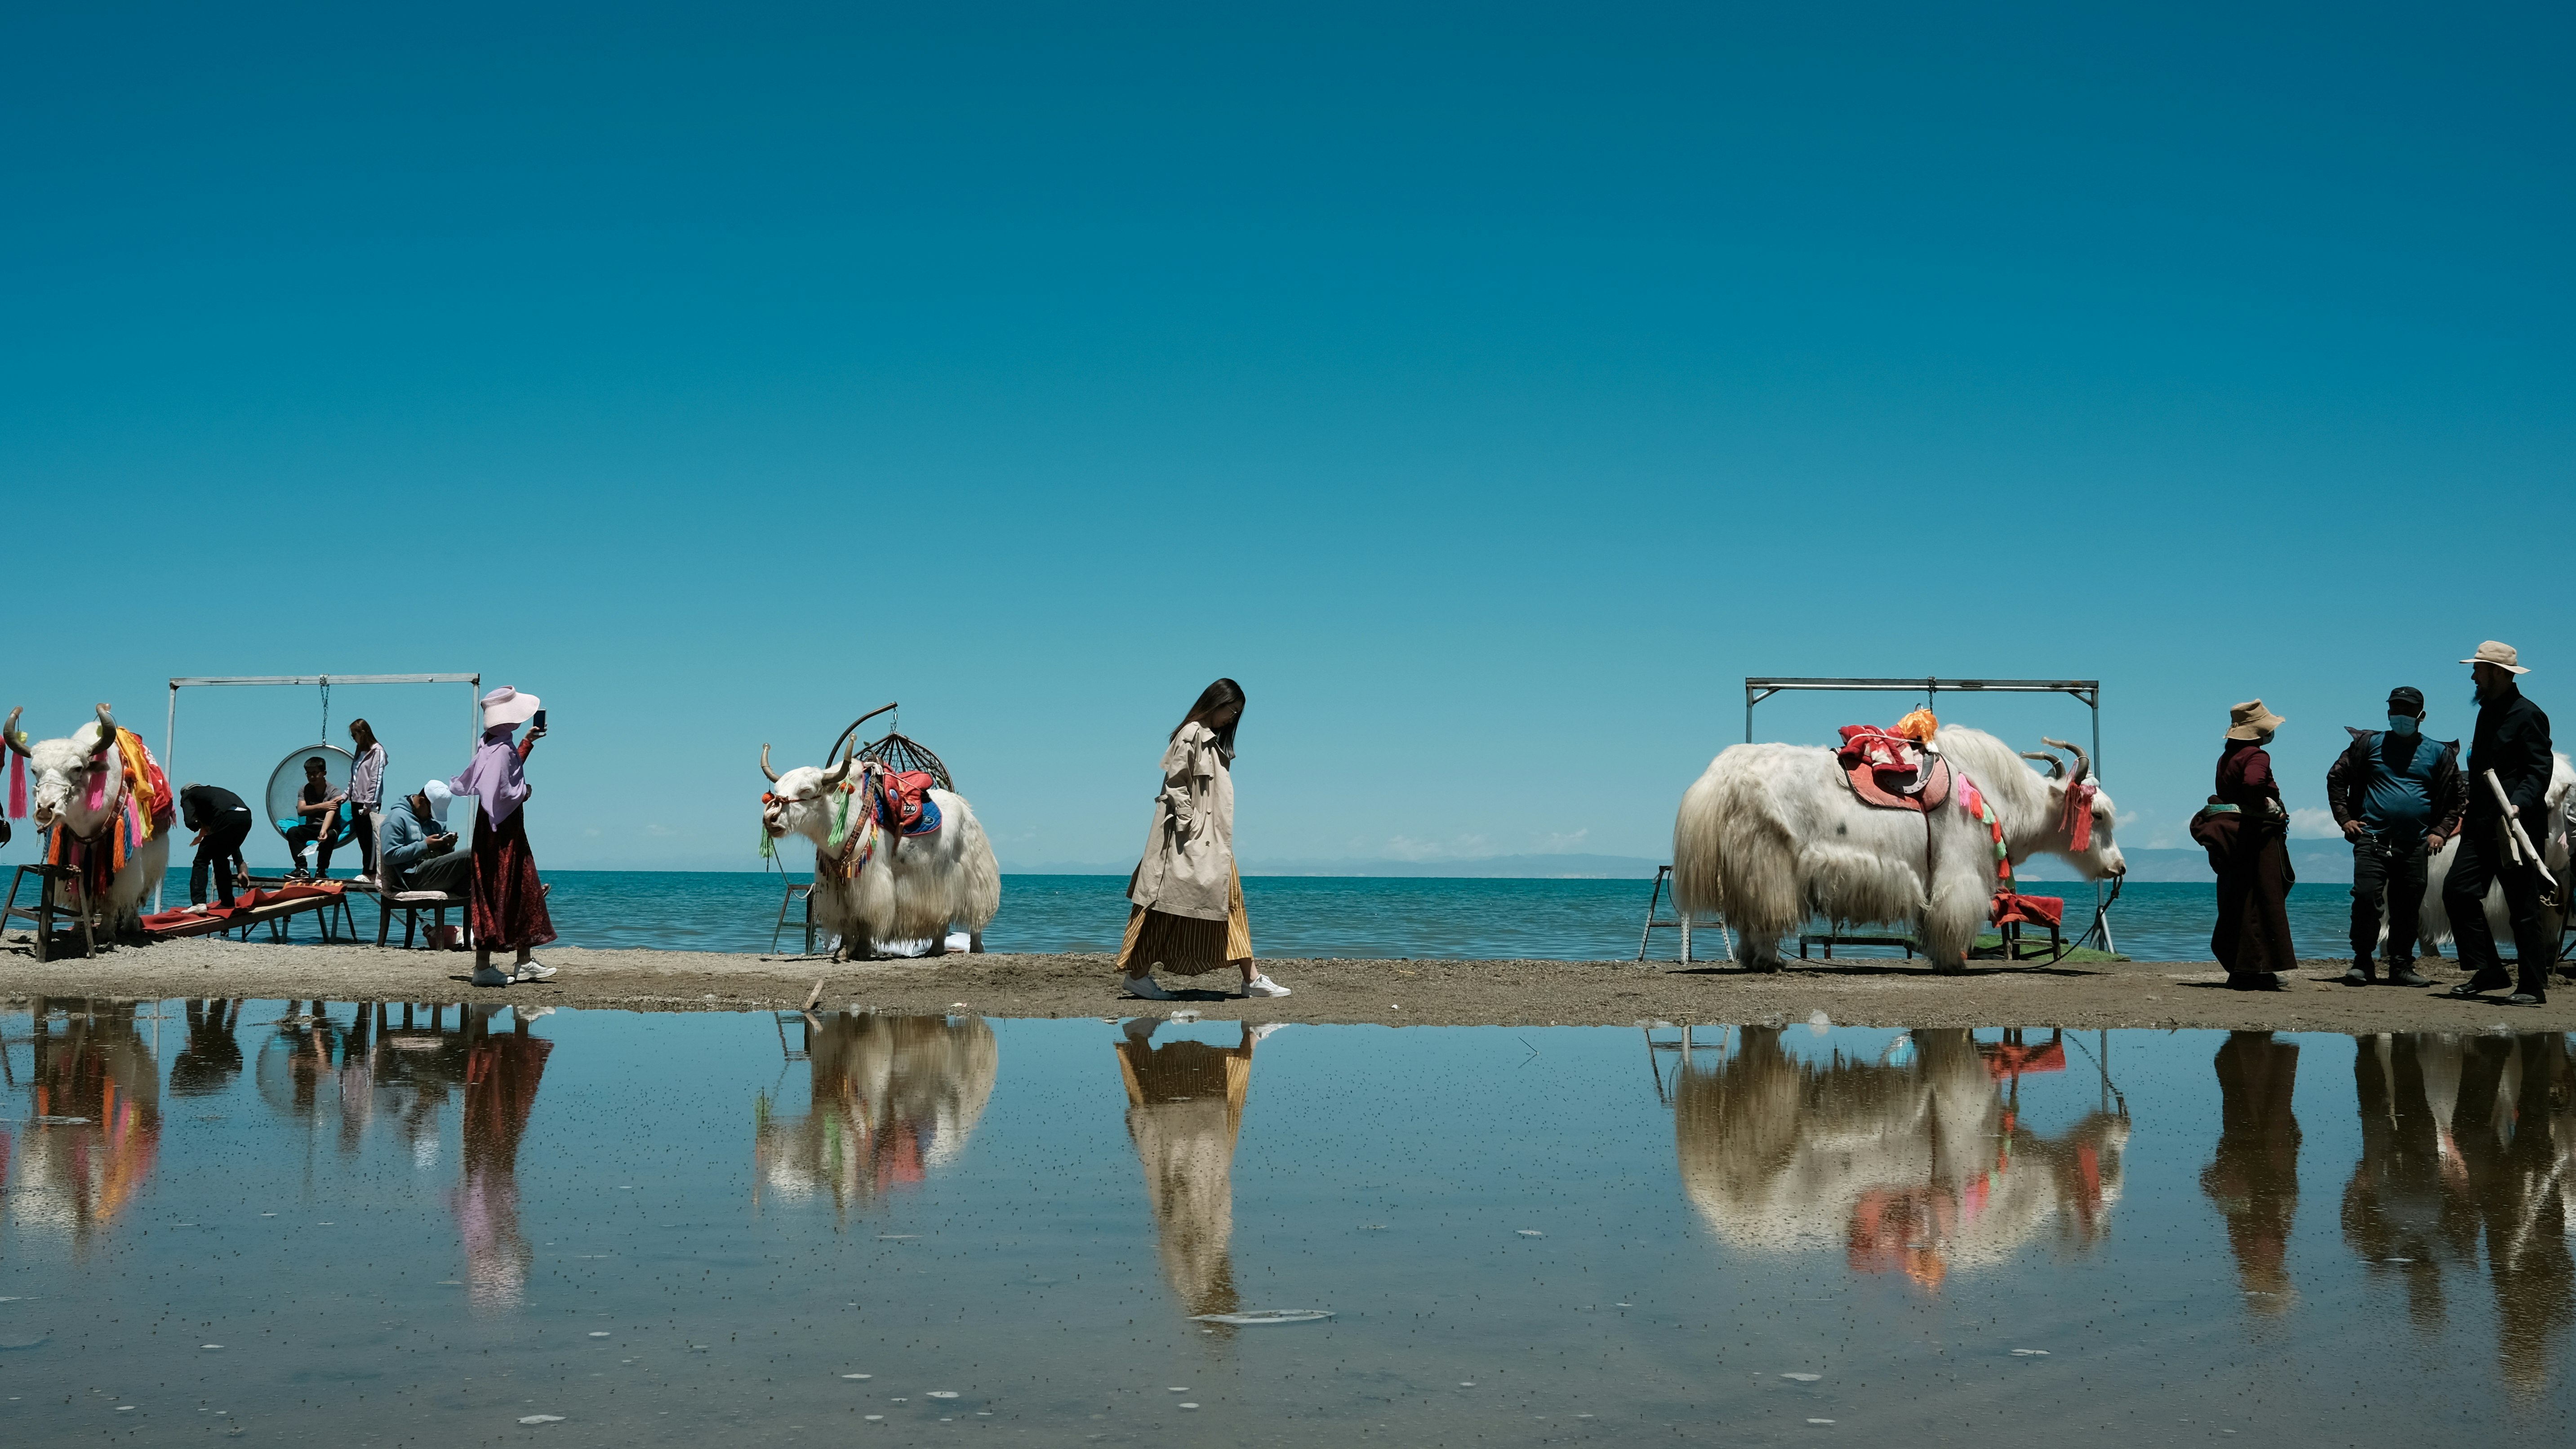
pixel 1185 912
pixel 509 903
pixel 1184 1109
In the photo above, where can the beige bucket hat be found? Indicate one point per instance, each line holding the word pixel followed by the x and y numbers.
pixel 2249 720
pixel 2497 653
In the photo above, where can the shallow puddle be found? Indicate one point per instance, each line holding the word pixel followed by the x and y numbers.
pixel 308 1223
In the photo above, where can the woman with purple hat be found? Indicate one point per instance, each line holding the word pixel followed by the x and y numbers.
pixel 508 902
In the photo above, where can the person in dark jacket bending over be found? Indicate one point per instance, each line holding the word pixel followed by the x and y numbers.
pixel 2513 741
pixel 222 823
pixel 2398 797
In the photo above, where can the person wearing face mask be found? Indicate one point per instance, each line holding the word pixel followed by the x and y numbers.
pixel 2252 938
pixel 2398 796
pixel 2512 739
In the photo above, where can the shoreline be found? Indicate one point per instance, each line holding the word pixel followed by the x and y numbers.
pixel 1420 992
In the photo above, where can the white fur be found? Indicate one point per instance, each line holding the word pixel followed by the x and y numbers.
pixel 61 770
pixel 1772 836
pixel 912 889
pixel 2435 924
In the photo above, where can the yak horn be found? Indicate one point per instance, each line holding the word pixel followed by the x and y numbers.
pixel 764 763
pixel 106 733
pixel 10 732
pixel 2056 764
pixel 2083 762
pixel 841 771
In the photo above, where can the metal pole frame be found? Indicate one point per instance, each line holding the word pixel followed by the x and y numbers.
pixel 2088 691
pixel 170 726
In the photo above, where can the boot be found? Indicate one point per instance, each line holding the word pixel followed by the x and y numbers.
pixel 2360 974
pixel 2403 973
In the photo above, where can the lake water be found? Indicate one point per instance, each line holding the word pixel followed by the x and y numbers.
pixel 1332 916
pixel 720 1229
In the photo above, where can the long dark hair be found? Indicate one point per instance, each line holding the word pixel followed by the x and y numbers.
pixel 1213 701
pixel 364 733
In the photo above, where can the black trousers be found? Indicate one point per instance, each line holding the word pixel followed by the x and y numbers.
pixel 2400 873
pixel 221 847
pixel 2482 863
pixel 326 833
pixel 364 827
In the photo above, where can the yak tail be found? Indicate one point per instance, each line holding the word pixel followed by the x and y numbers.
pixel 1730 860
pixel 978 892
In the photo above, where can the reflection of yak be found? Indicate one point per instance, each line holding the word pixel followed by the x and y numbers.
pixel 2463 1134
pixel 892 1097
pixel 1923 1166
pixel 1184 1107
pixel 74 1177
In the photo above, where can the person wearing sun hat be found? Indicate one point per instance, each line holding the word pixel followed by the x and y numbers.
pixel 2252 938
pixel 508 906
pixel 2512 740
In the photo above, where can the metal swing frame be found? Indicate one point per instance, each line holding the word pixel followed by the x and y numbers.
pixel 170 727
pixel 2086 691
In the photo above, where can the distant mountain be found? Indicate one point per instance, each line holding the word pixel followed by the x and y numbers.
pixel 1484 867
pixel 2317 862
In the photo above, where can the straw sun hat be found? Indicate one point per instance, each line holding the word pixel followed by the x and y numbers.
pixel 2251 720
pixel 507 706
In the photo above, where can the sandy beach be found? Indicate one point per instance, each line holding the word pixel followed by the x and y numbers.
pixel 1401 993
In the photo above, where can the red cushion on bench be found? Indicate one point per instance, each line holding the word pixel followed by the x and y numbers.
pixel 2030 910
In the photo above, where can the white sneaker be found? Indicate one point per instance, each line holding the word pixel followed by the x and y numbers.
pixel 1264 986
pixel 1146 987
pixel 534 971
pixel 491 976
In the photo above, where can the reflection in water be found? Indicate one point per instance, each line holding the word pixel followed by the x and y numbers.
pixel 892 1098
pixel 501 1076
pixel 1917 1162
pixel 212 1057
pixel 2254 1177
pixel 96 1125
pixel 1184 1107
pixel 2459 1134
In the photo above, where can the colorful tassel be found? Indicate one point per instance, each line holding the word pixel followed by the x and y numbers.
pixel 17 786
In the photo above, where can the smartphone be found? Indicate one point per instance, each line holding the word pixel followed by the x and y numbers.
pixel 540 720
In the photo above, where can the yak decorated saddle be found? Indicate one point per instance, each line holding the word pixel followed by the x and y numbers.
pixel 1895 769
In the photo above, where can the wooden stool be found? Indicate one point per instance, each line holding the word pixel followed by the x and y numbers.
pixel 42 912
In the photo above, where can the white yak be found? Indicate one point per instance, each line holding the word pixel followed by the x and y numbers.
pixel 2433 927
pixel 1772 836
pixel 908 888
pixel 81 788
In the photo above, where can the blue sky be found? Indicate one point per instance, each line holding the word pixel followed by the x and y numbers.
pixel 1488 388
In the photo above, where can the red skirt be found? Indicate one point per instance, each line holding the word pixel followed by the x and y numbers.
pixel 509 910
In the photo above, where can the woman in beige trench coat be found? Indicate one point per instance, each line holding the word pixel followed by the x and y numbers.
pixel 1185 901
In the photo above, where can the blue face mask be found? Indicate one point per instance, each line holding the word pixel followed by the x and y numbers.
pixel 2401 724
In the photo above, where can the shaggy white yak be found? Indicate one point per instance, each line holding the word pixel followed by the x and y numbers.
pixel 912 889
pixel 1772 836
pixel 2433 927
pixel 66 771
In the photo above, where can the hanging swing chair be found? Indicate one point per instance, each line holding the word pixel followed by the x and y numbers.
pixel 895 751
pixel 285 792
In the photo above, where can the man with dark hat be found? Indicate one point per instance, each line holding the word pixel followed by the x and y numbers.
pixel 2512 740
pixel 2398 797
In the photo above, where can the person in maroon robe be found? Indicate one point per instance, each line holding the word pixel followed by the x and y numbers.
pixel 2252 938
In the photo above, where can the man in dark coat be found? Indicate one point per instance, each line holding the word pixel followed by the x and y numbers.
pixel 2398 797
pixel 2513 741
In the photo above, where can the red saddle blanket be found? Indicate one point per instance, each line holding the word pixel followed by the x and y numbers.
pixel 1888 770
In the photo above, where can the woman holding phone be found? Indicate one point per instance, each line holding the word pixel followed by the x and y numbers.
pixel 508 901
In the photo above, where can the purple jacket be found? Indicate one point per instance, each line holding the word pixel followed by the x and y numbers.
pixel 493 775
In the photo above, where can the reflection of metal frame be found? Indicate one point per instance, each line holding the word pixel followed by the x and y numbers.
pixel 2088 691
pixel 1681 1048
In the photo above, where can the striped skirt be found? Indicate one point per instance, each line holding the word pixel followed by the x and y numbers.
pixel 1186 945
